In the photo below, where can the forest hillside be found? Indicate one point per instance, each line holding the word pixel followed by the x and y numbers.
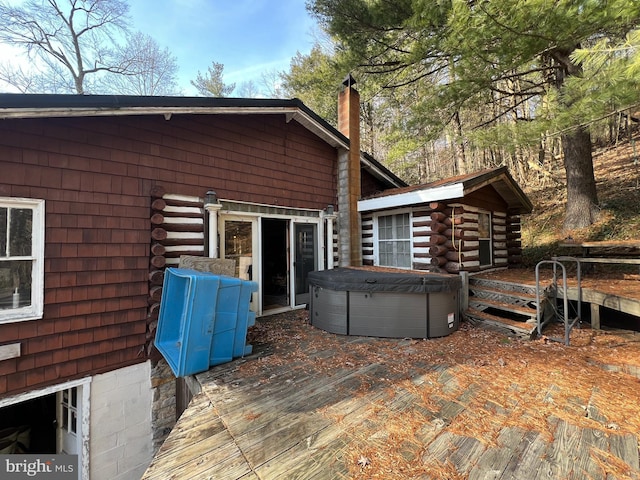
pixel 617 173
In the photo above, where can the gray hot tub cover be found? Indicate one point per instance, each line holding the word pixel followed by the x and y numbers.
pixel 363 280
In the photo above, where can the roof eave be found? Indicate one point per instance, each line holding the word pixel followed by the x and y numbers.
pixel 504 184
pixel 106 106
pixel 445 192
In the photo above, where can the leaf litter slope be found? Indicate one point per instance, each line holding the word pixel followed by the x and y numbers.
pixel 617 173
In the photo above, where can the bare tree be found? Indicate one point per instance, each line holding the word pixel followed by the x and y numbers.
pixel 271 83
pixel 153 70
pixel 54 81
pixel 248 89
pixel 72 39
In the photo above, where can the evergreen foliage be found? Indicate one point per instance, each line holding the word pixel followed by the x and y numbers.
pixel 212 84
pixel 312 79
pixel 495 81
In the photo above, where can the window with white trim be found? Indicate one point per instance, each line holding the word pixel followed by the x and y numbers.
pixel 484 238
pixel 21 259
pixel 393 242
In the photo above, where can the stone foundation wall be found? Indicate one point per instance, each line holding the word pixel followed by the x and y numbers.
pixel 163 414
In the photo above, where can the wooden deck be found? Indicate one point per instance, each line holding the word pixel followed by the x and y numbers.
pixel 476 405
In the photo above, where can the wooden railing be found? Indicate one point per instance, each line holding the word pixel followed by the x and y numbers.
pixel 611 252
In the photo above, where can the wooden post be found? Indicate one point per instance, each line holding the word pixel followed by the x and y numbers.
pixel 595 316
pixel 464 292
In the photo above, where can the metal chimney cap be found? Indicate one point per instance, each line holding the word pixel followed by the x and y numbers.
pixel 348 81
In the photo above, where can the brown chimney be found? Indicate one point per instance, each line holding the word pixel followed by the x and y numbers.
pixel 349 187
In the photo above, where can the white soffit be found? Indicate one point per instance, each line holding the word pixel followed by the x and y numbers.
pixel 412 198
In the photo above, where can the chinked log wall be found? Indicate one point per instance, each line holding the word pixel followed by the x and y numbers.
pixel 513 237
pixel 177 228
pixel 445 238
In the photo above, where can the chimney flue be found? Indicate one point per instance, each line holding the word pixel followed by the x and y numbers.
pixel 349 188
pixel 349 81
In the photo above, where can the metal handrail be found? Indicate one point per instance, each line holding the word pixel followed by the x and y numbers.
pixel 568 324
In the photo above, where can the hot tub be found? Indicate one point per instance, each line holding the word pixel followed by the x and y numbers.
pixel 380 302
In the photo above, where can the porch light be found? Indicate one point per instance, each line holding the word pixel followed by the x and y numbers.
pixel 211 199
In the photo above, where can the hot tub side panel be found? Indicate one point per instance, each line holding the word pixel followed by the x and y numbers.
pixel 388 314
pixel 444 314
pixel 384 304
pixel 328 309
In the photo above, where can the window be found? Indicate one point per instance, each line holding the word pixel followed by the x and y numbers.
pixel 484 238
pixel 69 407
pixel 394 240
pixel 21 259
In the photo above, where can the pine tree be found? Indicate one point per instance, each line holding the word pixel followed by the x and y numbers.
pixel 517 64
pixel 212 84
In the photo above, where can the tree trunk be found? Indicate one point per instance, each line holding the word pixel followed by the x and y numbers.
pixel 458 147
pixel 582 199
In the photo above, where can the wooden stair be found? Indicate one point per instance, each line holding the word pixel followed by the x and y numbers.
pixel 505 306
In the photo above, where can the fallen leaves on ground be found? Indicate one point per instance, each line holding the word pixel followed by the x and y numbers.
pixel 500 381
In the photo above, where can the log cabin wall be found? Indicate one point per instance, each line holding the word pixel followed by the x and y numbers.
pixel 499 236
pixel 513 235
pixel 455 240
pixel 445 235
pixel 177 228
pixel 367 240
pixel 421 225
pixel 454 237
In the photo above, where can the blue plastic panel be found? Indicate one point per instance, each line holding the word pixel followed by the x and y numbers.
pixel 246 319
pixel 203 320
pixel 232 319
pixel 187 320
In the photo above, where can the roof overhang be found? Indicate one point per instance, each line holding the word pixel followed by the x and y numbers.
pixel 59 106
pixel 291 109
pixel 411 198
pixel 499 179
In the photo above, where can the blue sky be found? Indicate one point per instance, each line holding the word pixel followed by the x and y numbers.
pixel 248 37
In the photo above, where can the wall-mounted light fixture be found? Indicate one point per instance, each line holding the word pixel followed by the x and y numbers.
pixel 330 216
pixel 211 198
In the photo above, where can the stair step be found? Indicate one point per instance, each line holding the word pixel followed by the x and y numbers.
pixel 525 311
pixel 508 326
pixel 517 298
pixel 502 285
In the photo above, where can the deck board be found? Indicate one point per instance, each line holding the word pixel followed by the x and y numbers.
pixel 312 407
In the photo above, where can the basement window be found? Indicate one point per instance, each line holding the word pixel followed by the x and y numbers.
pixel 393 243
pixel 21 259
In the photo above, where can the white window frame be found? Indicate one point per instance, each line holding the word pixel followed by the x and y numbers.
pixel 35 310
pixel 376 239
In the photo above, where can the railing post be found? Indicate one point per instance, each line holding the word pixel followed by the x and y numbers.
pixel 568 325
